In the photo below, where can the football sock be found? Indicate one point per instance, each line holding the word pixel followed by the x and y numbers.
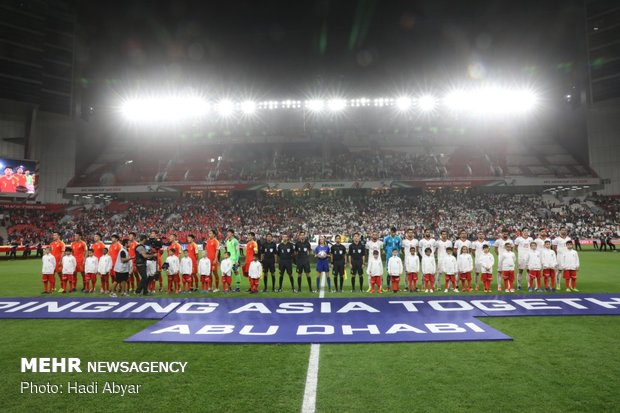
pixel 299 283
pixel 353 282
pixel 361 283
pixel 329 283
pixel 574 283
pixel 273 281
pixel 318 282
pixel 308 278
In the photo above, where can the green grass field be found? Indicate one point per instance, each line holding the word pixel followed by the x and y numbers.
pixel 553 364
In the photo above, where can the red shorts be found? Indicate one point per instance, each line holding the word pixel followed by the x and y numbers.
pixel 429 277
pixel 194 266
pixel 246 269
pixel 66 277
pixel 47 277
pixel 79 268
pixel 90 276
pixel 569 274
pixel 465 276
pixel 487 276
pixel 58 267
pixel 204 278
pixel 413 274
pixel 103 276
pixel 548 272
pixel 534 274
pixel 226 278
pixel 187 278
pixel 214 267
pixel 508 275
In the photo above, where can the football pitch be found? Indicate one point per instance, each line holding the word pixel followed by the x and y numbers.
pixel 553 364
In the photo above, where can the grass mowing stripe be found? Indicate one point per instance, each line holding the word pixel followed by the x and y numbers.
pixel 312 377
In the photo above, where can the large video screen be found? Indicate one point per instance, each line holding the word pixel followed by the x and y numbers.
pixel 18 177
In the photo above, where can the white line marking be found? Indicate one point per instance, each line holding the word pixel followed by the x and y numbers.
pixel 312 377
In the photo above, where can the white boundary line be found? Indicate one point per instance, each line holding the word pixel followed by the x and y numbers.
pixel 312 377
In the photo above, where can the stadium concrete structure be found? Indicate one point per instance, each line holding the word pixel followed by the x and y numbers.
pixel 562 148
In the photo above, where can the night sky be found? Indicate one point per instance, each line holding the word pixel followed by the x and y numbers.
pixel 289 48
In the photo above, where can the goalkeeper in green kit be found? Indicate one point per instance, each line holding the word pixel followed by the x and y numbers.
pixel 232 247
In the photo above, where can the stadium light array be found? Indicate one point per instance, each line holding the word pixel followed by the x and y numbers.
pixel 170 108
pixel 427 103
pixel 315 105
pixel 481 101
pixel 336 105
pixel 248 107
pixel 226 108
pixel 403 103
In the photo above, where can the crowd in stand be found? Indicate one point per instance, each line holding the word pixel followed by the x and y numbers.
pixel 324 215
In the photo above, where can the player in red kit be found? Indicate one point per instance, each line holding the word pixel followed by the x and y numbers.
pixel 174 244
pixel 192 253
pixel 113 251
pixel 20 177
pixel 98 246
pixel 251 248
pixel 8 181
pixel 79 248
pixel 134 277
pixel 57 247
pixel 213 253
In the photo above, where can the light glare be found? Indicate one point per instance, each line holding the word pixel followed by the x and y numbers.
pixel 403 103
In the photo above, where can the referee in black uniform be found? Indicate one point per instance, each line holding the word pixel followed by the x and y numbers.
pixel 285 252
pixel 302 260
pixel 357 252
pixel 338 253
pixel 268 252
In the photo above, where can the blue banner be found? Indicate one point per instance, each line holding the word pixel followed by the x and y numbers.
pixel 402 318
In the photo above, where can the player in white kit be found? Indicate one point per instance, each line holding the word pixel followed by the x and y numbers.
pixel 408 242
pixel 476 248
pixel 442 244
pixel 522 242
pixel 559 246
pixel 373 244
pixel 461 242
pixel 500 248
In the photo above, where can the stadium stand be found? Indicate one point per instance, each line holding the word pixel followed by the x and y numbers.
pixel 585 217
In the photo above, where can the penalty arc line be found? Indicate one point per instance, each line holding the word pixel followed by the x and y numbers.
pixel 312 376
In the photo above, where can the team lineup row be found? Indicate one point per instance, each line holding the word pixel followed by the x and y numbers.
pixel 537 260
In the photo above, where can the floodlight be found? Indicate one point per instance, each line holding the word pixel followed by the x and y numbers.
pixel 403 103
pixel 427 103
pixel 456 100
pixel 248 107
pixel 336 105
pixel 225 108
pixel 315 105
pixel 165 108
